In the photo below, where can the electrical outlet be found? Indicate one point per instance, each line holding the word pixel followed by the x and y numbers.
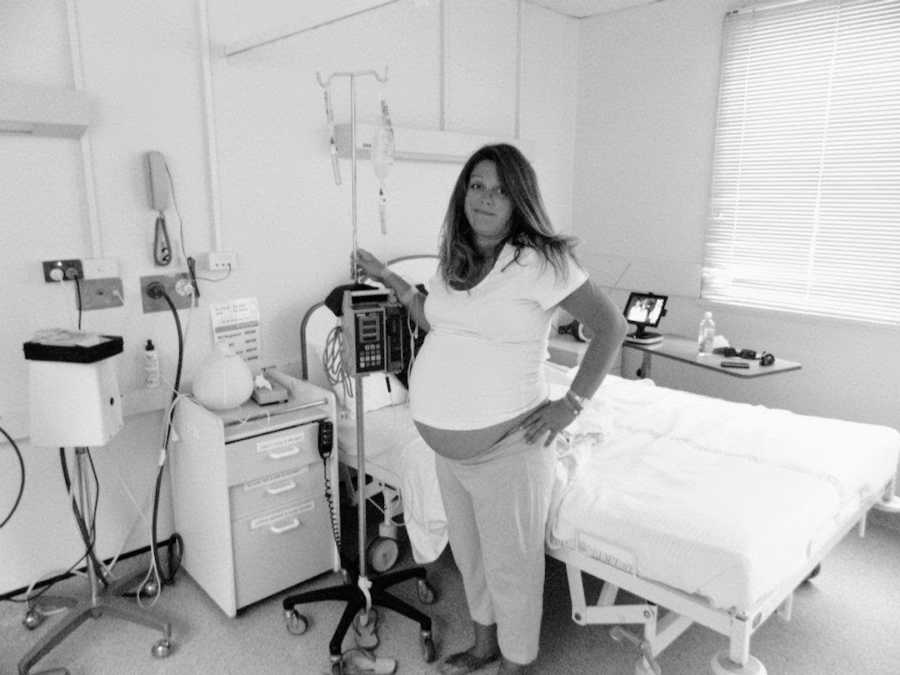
pixel 176 285
pixel 62 270
pixel 101 293
pixel 218 261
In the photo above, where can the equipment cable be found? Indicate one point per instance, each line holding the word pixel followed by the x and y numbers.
pixel 21 478
pixel 175 554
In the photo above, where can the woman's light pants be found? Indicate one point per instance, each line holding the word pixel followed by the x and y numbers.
pixel 497 505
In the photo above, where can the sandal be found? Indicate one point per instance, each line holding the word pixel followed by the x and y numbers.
pixel 466 662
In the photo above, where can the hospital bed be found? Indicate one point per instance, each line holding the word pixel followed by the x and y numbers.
pixel 710 512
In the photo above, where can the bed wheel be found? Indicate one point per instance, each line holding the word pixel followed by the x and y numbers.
pixel 645 666
pixel 815 572
pixel 722 665
pixel 383 553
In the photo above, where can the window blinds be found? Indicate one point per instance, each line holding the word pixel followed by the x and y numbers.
pixel 805 200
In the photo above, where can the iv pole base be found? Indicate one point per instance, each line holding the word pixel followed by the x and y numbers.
pixel 356 601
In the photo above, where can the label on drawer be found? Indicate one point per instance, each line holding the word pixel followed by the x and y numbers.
pixel 281 446
pixel 274 478
pixel 272 518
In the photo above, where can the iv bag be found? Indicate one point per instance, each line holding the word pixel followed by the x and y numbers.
pixel 383 151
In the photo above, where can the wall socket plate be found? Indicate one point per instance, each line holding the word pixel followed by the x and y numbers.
pixel 55 270
pixel 177 286
pixel 101 293
pixel 218 261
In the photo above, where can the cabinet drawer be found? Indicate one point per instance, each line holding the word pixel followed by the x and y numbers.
pixel 261 456
pixel 277 490
pixel 281 548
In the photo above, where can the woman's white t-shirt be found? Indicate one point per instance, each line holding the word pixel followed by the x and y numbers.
pixel 482 361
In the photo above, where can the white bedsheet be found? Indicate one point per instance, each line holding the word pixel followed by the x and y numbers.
pixel 710 497
pixel 397 455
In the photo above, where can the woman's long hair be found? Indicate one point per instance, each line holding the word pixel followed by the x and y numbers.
pixel 461 261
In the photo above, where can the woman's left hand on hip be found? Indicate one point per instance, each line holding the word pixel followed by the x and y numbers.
pixel 550 418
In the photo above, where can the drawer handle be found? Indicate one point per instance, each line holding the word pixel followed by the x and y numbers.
pixel 290 485
pixel 294 450
pixel 294 524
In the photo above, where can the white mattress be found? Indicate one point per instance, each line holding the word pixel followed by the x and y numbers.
pixel 711 497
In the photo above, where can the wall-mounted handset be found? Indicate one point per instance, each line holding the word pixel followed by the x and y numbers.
pixel 160 200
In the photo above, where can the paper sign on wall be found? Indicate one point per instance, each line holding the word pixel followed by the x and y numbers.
pixel 236 324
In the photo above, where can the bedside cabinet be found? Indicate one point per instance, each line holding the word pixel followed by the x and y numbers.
pixel 248 489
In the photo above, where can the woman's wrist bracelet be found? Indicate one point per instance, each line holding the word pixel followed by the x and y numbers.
pixel 576 400
pixel 571 405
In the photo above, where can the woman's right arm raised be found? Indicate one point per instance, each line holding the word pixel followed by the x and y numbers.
pixel 408 294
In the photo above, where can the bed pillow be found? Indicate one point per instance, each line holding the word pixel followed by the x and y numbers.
pixel 380 390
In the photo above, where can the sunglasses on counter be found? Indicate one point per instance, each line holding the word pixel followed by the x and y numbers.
pixel 765 358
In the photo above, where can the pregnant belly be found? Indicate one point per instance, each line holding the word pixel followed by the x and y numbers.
pixel 467 443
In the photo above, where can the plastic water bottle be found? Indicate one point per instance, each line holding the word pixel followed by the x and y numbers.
pixel 151 366
pixel 707 334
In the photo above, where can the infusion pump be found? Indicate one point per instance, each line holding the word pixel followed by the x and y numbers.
pixel 373 325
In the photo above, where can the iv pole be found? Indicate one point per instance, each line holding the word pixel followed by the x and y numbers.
pixel 352 75
pixel 354 273
pixel 361 596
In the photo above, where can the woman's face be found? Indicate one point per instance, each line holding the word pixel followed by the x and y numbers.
pixel 488 207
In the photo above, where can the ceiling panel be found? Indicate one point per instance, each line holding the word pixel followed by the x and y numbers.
pixel 583 8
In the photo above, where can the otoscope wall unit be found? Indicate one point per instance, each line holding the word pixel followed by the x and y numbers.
pixel 33 110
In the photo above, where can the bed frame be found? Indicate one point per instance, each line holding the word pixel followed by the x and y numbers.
pixel 662 626
pixel 665 612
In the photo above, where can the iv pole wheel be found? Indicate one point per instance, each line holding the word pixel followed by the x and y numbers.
pixel 429 652
pixel 161 649
pixel 383 553
pixel 425 592
pixel 295 622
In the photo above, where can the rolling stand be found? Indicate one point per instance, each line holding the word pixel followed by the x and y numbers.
pixel 97 605
pixel 359 592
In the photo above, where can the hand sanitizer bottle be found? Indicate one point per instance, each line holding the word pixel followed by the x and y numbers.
pixel 151 366
pixel 707 334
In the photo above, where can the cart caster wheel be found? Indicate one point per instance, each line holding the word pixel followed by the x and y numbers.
pixel 337 668
pixel 815 572
pixel 722 665
pixel 33 618
pixel 149 590
pixel 296 623
pixel 425 592
pixel 161 649
pixel 383 554
pixel 429 652
pixel 644 666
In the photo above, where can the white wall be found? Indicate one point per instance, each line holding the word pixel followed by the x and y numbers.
pixel 280 209
pixel 648 80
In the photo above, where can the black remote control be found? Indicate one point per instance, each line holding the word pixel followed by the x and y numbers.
pixel 326 438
